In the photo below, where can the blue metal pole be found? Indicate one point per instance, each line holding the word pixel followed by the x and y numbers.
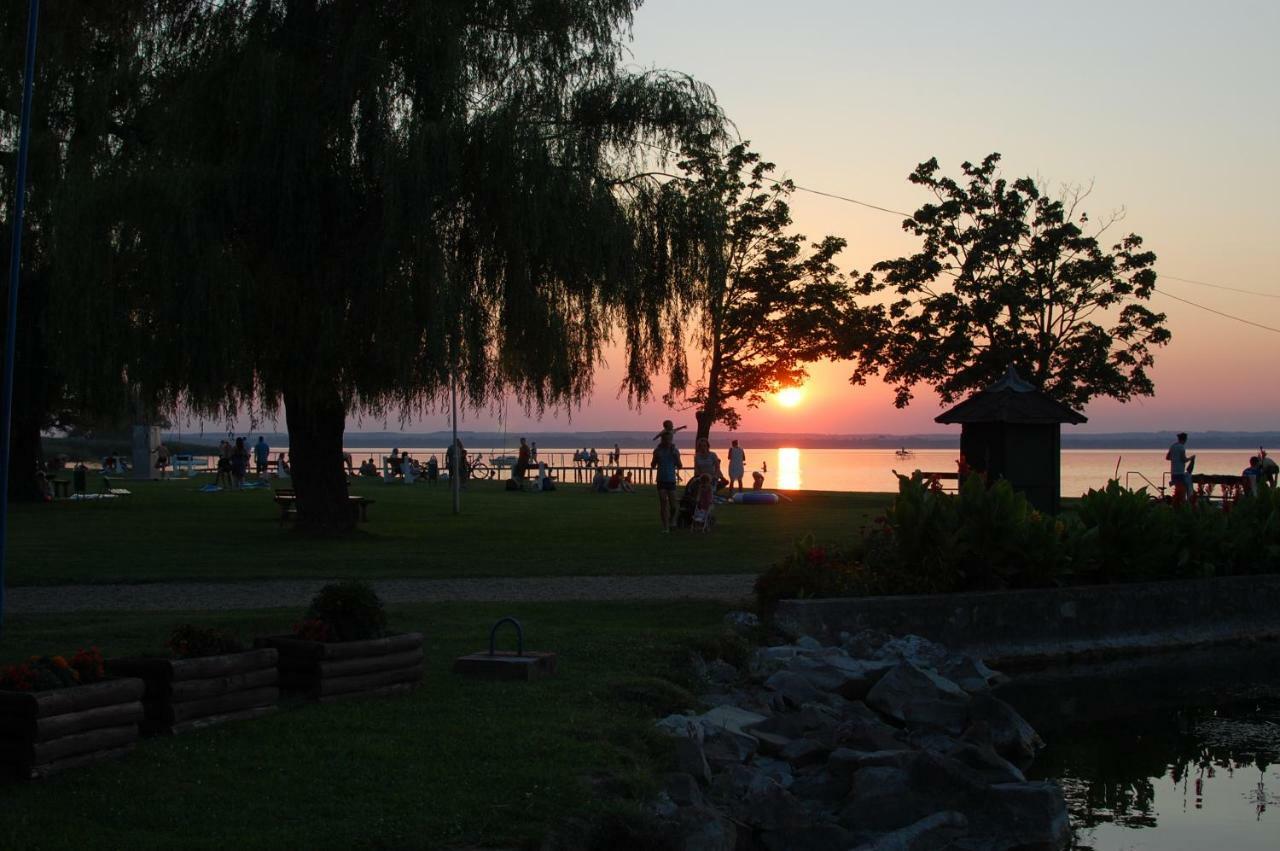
pixel 15 268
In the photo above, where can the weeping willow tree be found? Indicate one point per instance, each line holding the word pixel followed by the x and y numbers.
pixel 333 206
pixel 86 68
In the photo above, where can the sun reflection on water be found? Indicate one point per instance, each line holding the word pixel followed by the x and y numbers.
pixel 789 469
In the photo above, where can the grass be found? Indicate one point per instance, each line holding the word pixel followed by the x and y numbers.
pixel 168 531
pixel 457 763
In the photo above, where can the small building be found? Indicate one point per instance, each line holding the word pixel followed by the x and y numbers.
pixel 1013 431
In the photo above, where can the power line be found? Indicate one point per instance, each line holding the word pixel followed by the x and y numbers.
pixel 1219 312
pixel 1221 287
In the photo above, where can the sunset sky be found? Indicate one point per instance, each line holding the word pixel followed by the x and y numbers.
pixel 1169 108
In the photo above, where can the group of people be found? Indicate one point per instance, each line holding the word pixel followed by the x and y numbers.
pixel 1262 471
pixel 233 462
pixel 695 506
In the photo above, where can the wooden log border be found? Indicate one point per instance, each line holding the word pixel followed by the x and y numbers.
pixel 45 732
pixel 190 694
pixel 322 670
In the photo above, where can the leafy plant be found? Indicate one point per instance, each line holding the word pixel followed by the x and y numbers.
pixel 810 571
pixel 50 672
pixel 191 642
pixel 348 611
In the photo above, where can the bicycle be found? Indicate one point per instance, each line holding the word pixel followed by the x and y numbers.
pixel 477 469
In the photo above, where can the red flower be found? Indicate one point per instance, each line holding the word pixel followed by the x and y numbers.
pixel 816 555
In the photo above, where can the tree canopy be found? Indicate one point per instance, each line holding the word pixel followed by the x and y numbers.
pixel 1007 275
pixel 755 299
pixel 338 205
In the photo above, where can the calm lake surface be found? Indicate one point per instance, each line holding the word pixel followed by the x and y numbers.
pixel 1180 753
pixel 872 469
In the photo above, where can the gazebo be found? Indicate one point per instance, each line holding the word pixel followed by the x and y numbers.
pixel 1013 431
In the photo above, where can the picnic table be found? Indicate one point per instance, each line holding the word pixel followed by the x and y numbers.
pixel 287 500
pixel 1231 488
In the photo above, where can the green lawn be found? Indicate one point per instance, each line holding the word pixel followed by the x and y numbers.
pixel 169 531
pixel 458 763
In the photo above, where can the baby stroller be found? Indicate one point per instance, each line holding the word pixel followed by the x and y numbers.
pixel 695 505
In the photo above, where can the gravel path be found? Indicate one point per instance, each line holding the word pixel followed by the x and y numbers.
pixel 287 593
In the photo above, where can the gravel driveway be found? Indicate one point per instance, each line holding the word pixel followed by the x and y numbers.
pixel 287 593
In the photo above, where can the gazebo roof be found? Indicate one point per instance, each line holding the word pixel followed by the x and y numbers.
pixel 1011 400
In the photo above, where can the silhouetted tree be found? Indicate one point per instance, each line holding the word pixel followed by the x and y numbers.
pixel 756 300
pixel 336 205
pixel 1007 275
pixel 86 66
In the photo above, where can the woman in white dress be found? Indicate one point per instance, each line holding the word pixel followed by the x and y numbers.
pixel 737 466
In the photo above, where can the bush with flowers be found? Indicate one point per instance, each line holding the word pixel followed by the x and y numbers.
pixel 343 611
pixel 40 673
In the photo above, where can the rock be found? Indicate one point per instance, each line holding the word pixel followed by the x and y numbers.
pixel 908 685
pixel 806 642
pixel 815 783
pixel 777 770
pixel 735 781
pixel 843 676
pixel 1023 816
pixel 793 688
pixel 774 808
pixel 697 669
pixel 979 756
pixel 723 747
pixel 730 718
pixel 817 837
pixel 691 760
pixel 1011 736
pixel 802 752
pixel 743 623
pixel 703 828
pixel 688 726
pixel 931 833
pixel 945 783
pixel 881 798
pixel 970 674
pixel 843 762
pixel 918 651
pixel 770 743
pixel 663 807
pixel 861 734
pixel 766 660
pixel 720 672
pixel 865 644
pixel 682 789
pixel 949 715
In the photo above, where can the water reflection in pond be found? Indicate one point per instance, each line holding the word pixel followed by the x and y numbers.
pixel 1176 758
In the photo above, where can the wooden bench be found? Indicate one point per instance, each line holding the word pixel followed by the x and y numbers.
pixel 288 502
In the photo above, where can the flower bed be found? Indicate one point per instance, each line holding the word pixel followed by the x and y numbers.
pixel 57 714
pixel 335 670
pixel 188 694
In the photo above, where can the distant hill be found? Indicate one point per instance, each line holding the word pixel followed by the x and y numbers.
pixel 767 440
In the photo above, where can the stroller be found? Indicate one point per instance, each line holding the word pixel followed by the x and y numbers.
pixel 695 505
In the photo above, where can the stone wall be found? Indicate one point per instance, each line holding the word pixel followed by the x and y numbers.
pixel 1005 626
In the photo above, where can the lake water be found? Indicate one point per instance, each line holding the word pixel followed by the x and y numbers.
pixel 872 469
pixel 1164 753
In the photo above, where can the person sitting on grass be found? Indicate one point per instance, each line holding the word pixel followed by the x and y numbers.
pixel 600 482
pixel 615 481
pixel 368 469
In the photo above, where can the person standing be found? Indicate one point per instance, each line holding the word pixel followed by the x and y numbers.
pixel 239 463
pixel 1269 470
pixel 1179 477
pixel 737 466
pixel 666 458
pixel 522 460
pixel 533 453
pixel 224 465
pixel 261 455
pixel 707 463
pixel 162 458
pixel 593 460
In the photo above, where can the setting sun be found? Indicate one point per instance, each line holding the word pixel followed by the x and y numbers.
pixel 789 397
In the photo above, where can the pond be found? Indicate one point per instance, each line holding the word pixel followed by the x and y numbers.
pixel 1169 752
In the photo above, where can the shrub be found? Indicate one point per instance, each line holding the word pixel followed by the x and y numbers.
pixel 50 672
pixel 809 571
pixel 192 642
pixel 345 611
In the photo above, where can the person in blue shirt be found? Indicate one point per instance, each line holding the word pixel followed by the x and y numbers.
pixel 666 458
pixel 261 454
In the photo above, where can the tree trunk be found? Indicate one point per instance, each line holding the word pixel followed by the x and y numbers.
pixel 316 422
pixel 26 455
pixel 705 420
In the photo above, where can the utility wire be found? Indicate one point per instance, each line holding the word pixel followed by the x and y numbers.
pixel 1221 287
pixel 1219 312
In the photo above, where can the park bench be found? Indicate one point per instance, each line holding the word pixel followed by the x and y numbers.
pixel 287 500
pixel 185 462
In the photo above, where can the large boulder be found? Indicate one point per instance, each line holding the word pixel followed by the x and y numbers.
pixel 911 691
pixel 1010 734
pixel 703 828
pixel 794 689
pixel 935 832
pixel 1026 816
pixel 816 837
